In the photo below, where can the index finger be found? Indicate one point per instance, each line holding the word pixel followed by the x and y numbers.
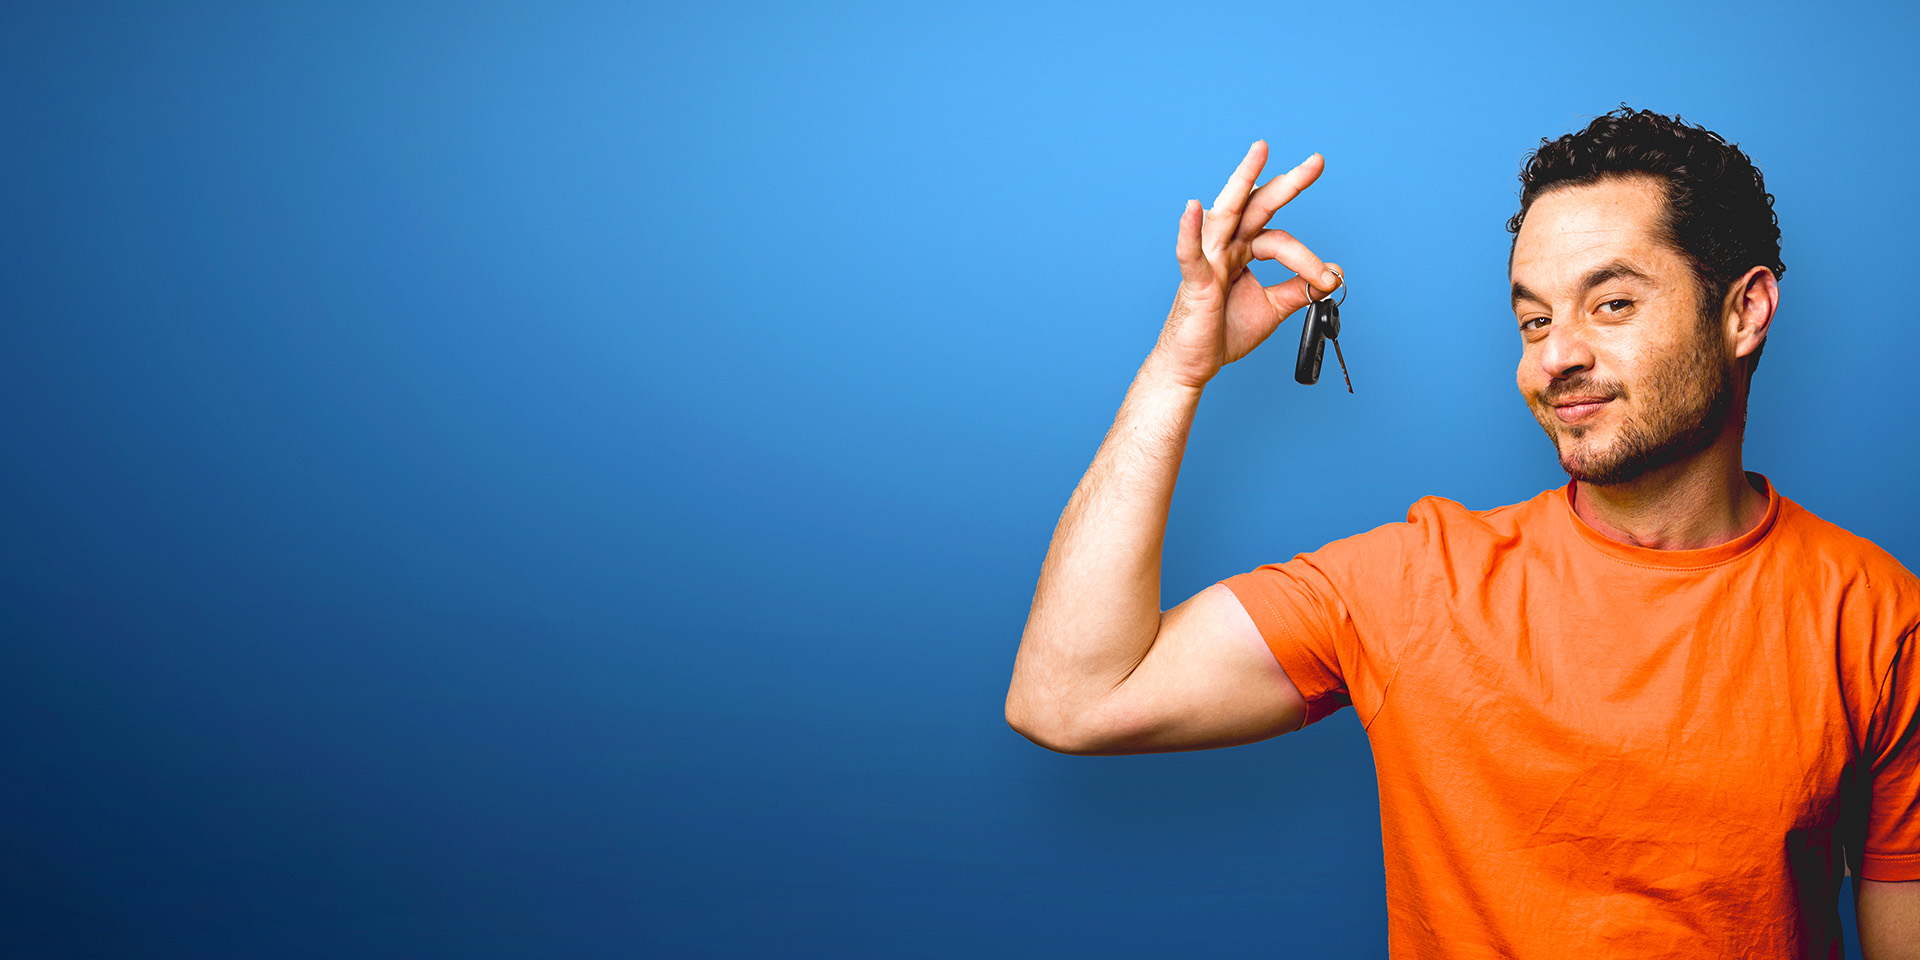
pixel 1277 192
pixel 1294 255
pixel 1292 294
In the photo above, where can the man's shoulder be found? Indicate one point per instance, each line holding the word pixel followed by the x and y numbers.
pixel 1450 518
pixel 1852 581
pixel 1446 531
pixel 1837 552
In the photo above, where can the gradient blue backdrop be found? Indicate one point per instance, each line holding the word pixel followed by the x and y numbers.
pixel 513 480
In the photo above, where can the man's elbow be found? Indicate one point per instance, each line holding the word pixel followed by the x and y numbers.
pixel 1056 729
pixel 1026 721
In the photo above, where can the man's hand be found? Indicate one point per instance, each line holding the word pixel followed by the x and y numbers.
pixel 1221 312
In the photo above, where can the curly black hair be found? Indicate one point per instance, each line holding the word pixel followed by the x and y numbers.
pixel 1719 214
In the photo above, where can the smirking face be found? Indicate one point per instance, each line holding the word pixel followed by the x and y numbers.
pixel 1619 365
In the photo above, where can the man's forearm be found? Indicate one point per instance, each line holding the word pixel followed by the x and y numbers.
pixel 1097 608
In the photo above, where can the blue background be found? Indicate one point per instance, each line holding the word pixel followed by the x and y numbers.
pixel 505 480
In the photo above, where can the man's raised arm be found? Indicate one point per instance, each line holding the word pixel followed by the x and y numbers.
pixel 1100 668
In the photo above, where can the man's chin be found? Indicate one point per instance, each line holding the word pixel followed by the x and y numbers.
pixel 1589 453
pixel 1591 463
pixel 1585 473
pixel 1602 470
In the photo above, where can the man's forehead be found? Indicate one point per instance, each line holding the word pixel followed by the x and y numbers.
pixel 1570 231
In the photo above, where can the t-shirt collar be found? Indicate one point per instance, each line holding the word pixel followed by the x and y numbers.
pixel 1675 559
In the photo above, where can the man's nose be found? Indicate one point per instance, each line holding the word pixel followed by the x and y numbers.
pixel 1565 353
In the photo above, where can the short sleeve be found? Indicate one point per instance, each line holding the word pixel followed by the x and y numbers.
pixel 1892 847
pixel 1333 617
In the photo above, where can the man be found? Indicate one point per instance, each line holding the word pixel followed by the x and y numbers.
pixel 1649 714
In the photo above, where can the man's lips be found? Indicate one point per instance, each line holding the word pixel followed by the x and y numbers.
pixel 1577 409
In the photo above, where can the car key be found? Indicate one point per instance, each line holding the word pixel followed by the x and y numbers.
pixel 1322 323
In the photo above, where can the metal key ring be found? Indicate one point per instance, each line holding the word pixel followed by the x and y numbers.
pixel 1329 296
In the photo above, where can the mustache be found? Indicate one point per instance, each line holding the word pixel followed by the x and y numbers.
pixel 1581 386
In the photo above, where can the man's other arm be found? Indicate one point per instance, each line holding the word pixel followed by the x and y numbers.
pixel 1101 669
pixel 1889 918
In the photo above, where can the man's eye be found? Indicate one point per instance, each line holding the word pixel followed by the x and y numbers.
pixel 1534 323
pixel 1617 305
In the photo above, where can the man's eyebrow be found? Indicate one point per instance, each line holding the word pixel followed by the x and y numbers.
pixel 1612 270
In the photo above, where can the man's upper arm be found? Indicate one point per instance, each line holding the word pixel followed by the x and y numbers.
pixel 1209 680
pixel 1273 649
pixel 1886 879
pixel 1889 915
pixel 1892 844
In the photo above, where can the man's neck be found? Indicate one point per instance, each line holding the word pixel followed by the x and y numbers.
pixel 1699 502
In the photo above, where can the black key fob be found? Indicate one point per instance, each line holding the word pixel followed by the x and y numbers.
pixel 1322 322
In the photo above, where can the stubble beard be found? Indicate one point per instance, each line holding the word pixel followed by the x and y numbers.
pixel 1685 405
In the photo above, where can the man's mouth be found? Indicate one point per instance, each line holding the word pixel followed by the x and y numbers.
pixel 1578 409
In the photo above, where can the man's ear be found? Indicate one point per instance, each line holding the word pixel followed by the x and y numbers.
pixel 1751 301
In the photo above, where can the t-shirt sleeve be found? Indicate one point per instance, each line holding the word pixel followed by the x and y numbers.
pixel 1334 618
pixel 1892 848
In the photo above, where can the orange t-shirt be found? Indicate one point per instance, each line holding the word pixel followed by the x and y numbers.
pixel 1591 749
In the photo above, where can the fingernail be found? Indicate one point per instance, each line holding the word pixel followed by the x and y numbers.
pixel 1329 279
pixel 1303 163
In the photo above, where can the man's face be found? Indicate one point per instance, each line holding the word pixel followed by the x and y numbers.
pixel 1618 365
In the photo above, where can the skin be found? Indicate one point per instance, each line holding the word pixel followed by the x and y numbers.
pixel 1609 313
pixel 1888 916
pixel 1656 456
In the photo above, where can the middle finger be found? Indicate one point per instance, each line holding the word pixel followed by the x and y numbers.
pixel 1277 192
